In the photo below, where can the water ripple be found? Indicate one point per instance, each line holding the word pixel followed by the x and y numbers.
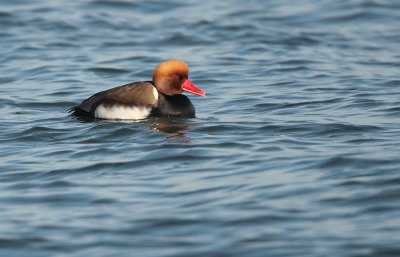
pixel 296 141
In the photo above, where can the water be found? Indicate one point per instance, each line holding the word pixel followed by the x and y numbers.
pixel 294 151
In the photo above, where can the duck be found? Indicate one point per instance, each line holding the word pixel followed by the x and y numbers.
pixel 160 97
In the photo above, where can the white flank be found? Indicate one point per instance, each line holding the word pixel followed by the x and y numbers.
pixel 122 112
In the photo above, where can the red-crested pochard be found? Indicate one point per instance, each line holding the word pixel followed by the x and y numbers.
pixel 160 97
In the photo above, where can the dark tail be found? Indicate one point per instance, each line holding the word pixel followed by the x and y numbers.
pixel 77 111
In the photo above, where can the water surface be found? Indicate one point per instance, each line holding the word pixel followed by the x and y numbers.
pixel 294 151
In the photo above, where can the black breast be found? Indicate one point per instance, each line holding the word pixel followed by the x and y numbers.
pixel 174 106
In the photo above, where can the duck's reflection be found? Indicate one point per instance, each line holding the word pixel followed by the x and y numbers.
pixel 175 128
pixel 172 127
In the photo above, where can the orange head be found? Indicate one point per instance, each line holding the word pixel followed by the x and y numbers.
pixel 172 78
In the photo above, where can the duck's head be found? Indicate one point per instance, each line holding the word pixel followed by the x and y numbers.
pixel 172 78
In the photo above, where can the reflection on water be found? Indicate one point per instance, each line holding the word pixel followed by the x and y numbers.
pixel 173 127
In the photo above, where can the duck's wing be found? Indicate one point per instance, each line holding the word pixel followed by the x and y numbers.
pixel 132 94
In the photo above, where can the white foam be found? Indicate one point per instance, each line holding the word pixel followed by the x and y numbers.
pixel 122 112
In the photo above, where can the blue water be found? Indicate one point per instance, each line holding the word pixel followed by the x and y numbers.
pixel 294 152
